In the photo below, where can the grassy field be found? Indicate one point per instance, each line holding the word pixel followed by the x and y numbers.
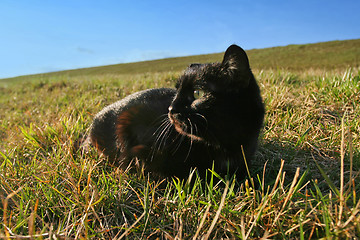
pixel 306 170
pixel 329 56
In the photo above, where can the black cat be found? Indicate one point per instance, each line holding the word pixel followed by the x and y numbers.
pixel 211 120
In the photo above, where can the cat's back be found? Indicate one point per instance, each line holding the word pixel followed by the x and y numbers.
pixel 151 103
pixel 151 98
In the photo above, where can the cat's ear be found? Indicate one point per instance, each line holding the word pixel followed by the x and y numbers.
pixel 236 64
pixel 194 67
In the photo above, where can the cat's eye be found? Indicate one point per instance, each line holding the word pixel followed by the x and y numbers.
pixel 198 93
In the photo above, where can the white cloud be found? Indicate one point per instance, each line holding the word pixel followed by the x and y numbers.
pixel 84 50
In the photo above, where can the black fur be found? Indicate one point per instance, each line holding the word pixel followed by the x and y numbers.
pixel 215 109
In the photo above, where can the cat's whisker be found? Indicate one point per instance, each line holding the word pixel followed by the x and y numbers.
pixel 159 130
pixel 163 118
pixel 164 135
pixel 191 139
pixel 164 122
pixel 197 132
pixel 203 117
pixel 204 127
pixel 155 122
pixel 180 141
pixel 203 123
pixel 160 134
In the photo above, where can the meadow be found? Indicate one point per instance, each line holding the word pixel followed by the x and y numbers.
pixel 304 183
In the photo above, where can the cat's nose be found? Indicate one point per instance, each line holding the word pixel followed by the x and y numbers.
pixel 178 108
pixel 174 109
pixel 170 109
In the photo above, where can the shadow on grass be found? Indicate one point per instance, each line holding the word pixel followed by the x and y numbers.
pixel 273 152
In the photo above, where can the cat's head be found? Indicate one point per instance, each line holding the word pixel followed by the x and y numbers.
pixel 208 94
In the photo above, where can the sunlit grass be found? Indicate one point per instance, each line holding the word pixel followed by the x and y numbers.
pixel 325 55
pixel 301 190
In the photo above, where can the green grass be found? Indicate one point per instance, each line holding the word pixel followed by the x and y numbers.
pixel 326 55
pixel 306 169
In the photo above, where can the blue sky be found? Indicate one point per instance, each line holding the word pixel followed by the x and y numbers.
pixel 43 36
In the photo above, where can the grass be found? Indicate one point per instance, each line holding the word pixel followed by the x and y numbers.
pixel 329 55
pixel 306 170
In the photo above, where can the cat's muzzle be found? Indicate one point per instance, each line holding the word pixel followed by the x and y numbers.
pixel 181 126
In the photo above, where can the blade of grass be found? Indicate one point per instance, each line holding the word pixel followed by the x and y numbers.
pixel 342 154
pixel 288 196
pixel 278 177
pixel 327 179
pixel 222 204
pixel 5 205
pixel 247 167
pixel 133 225
pixel 202 221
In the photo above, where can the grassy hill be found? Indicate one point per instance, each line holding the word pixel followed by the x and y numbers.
pixel 325 55
pixel 306 171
